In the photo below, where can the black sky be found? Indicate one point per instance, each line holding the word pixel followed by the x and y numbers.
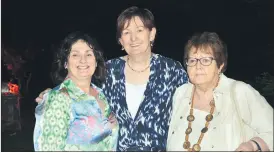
pixel 245 25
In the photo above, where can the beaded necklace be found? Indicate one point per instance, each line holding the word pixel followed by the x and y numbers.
pixel 191 118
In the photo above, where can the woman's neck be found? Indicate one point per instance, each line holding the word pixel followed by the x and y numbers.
pixel 139 61
pixel 203 94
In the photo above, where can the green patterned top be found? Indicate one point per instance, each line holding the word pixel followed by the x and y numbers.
pixel 71 120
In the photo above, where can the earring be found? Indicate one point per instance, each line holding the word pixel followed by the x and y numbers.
pixel 66 65
pixel 151 44
pixel 123 48
pixel 96 64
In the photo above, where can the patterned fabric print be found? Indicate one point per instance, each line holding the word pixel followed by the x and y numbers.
pixel 72 121
pixel 54 123
pixel 148 130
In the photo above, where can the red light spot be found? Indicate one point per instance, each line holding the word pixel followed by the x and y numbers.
pixel 13 88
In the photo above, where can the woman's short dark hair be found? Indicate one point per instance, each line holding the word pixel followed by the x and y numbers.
pixel 59 71
pixel 211 40
pixel 127 15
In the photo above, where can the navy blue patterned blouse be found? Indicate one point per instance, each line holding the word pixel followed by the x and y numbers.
pixel 148 130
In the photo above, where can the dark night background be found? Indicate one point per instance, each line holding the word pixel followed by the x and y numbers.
pixel 39 26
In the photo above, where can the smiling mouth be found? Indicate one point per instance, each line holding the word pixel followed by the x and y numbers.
pixel 82 67
pixel 135 45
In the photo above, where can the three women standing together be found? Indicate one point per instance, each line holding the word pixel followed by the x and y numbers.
pixel 139 89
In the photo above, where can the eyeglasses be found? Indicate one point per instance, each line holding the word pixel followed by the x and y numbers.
pixel 205 61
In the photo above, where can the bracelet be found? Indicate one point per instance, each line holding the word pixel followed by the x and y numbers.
pixel 257 144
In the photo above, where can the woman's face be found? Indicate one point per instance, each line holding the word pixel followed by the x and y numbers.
pixel 81 61
pixel 136 38
pixel 200 74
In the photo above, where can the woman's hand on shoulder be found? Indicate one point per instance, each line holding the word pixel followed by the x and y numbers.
pixel 39 99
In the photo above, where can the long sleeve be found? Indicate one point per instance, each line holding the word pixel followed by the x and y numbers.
pixel 179 77
pixel 54 123
pixel 260 116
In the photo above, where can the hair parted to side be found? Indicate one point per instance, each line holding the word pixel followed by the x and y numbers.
pixel 130 13
pixel 207 40
pixel 59 72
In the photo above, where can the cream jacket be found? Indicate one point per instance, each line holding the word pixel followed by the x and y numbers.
pixel 224 132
